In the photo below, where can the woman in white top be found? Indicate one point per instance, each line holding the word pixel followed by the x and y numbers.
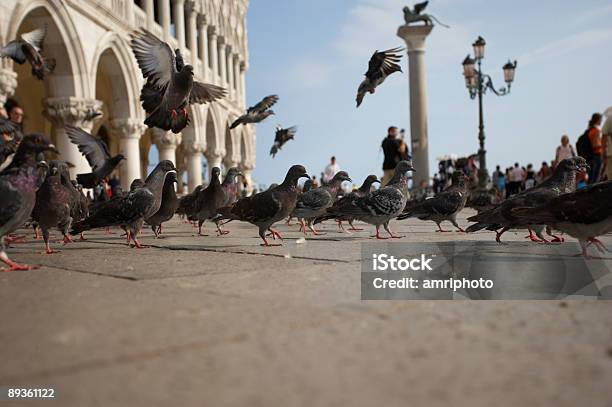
pixel 565 150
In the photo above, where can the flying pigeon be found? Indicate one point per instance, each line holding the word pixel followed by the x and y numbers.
pixel 96 152
pixel 30 48
pixel 500 218
pixel 444 206
pixel 18 184
pixel 55 200
pixel 257 113
pixel 131 209
pixel 314 203
pixel 170 87
pixel 382 64
pixel 584 214
pixel 346 201
pixel 209 200
pixel 268 207
pixel 382 205
pixel 281 137
pixel 169 203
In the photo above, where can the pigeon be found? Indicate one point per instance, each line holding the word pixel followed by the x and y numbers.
pixel 209 200
pixel 257 113
pixel 484 202
pixel 230 186
pixel 381 65
pixel 307 185
pixel 268 207
pixel 584 214
pixel 131 209
pixel 170 87
pixel 55 202
pixel 18 184
pixel 186 205
pixel 563 180
pixel 96 152
pixel 382 205
pixel 444 206
pixel 281 137
pixel 30 48
pixel 314 203
pixel 169 203
pixel 346 201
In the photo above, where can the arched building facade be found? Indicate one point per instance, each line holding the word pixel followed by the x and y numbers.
pixel 96 72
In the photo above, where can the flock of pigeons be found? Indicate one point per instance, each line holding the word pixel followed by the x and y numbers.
pixel 41 192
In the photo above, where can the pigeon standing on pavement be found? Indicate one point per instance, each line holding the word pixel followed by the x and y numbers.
pixel 96 152
pixel 131 209
pixel 18 185
pixel 257 113
pixel 500 218
pixel 346 201
pixel 230 185
pixel 186 204
pixel 170 87
pixel 382 205
pixel 314 203
pixel 209 200
pixel 584 214
pixel 444 206
pixel 268 207
pixel 169 203
pixel 55 202
pixel 281 137
pixel 381 65
pixel 30 48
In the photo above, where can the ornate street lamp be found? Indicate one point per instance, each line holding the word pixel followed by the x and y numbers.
pixel 478 83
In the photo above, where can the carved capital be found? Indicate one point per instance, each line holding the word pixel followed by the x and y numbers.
pixel 128 128
pixel 247 165
pixel 72 111
pixel 165 139
pixel 215 155
pixel 194 148
pixel 8 84
pixel 212 32
pixel 190 6
pixel 201 20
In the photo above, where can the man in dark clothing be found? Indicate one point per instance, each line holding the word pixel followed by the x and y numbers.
pixel 391 148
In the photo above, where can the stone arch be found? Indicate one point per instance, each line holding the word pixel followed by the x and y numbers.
pixel 232 144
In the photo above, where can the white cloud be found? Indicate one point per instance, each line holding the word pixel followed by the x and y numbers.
pixel 308 73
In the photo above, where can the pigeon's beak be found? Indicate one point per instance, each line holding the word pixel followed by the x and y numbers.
pixel 348 179
pixel 304 176
pixel 52 147
pixel 376 180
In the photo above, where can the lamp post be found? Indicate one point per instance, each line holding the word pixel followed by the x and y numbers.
pixel 478 83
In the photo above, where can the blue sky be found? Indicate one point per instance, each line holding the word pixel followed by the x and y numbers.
pixel 313 55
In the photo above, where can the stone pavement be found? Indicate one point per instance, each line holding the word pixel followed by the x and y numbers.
pixel 220 321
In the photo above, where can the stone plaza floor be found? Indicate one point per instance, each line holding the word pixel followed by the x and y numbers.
pixel 221 321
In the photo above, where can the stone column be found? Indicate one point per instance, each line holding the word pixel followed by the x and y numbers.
pixel 149 9
pixel 130 131
pixel 203 30
pixel 166 143
pixel 230 74
pixel 194 165
pixel 214 158
pixel 242 84
pixel 164 16
pixel 214 65
pixel 178 6
pixel 222 50
pixel 236 78
pixel 76 112
pixel 415 36
pixel 8 84
pixel 192 38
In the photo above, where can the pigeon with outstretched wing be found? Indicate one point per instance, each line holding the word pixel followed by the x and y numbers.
pixel 30 48
pixel 381 65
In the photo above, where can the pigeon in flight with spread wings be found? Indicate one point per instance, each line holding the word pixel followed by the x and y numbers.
pixel 96 152
pixel 281 137
pixel 170 87
pixel 30 48
pixel 257 113
pixel 382 64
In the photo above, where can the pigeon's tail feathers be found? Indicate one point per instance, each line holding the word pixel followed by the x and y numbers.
pixel 150 98
pixel 533 215
pixel 86 180
pixel 236 123
pixel 226 212
pixel 323 218
pixel 478 226
pixel 86 224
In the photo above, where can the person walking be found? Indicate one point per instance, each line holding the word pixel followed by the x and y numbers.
pixel 544 172
pixel 606 133
pixel 518 175
pixel 530 177
pixel 594 134
pixel 565 150
pixel 330 170
pixel 392 150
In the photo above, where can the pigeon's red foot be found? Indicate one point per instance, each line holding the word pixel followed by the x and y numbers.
pixel 14 239
pixel 222 232
pixel 557 239
pixel 173 113
pixel 275 234
pixel 184 112
pixel 109 232
pixel 137 245
pixel 68 239
pixel 12 266
pixel 378 236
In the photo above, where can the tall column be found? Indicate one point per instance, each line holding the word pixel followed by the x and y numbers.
pixel 166 143
pixel 194 165
pixel 149 9
pixel 192 38
pixel 178 6
pixel 76 112
pixel 130 131
pixel 214 66
pixel 222 50
pixel 236 78
pixel 415 36
pixel 164 16
pixel 230 74
pixel 243 67
pixel 8 84
pixel 203 30
pixel 214 158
